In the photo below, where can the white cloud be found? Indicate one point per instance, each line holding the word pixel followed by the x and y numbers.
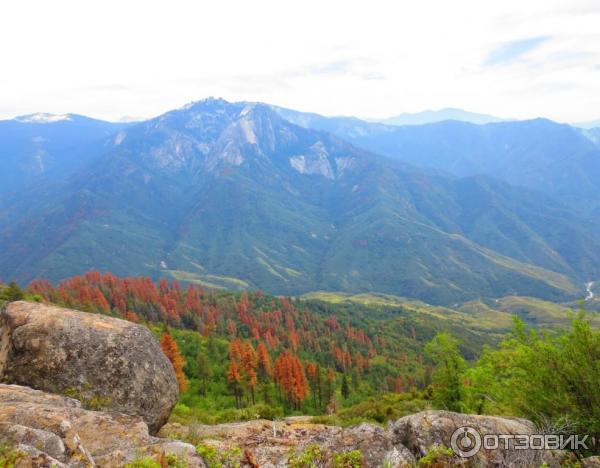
pixel 108 59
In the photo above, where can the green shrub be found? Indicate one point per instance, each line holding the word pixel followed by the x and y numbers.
pixel 186 415
pixel 312 457
pixel 9 456
pixel 380 410
pixel 219 458
pixel 268 412
pixel 173 461
pixel 12 292
pixel 350 459
pixel 145 462
pixel 438 455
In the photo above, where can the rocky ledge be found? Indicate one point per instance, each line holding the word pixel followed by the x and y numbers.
pixel 402 443
pixel 53 430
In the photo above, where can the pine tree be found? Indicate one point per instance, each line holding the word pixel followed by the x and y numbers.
pixel 443 350
pixel 13 292
pixel 234 378
pixel 249 363
pixel 345 387
pixel 330 384
pixel 204 371
pixel 171 350
pixel 265 365
pixel 289 373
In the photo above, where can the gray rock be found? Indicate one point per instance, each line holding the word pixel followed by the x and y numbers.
pixel 105 362
pixel 37 458
pixel 422 431
pixel 44 441
pixel 51 427
pixel 399 457
pixel 373 442
pixel 591 462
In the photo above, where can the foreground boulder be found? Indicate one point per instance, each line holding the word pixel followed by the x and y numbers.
pixel 57 430
pixel 420 432
pixel 105 362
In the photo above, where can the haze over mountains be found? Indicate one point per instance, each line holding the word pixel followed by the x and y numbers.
pixel 430 116
pixel 247 195
pixel 557 159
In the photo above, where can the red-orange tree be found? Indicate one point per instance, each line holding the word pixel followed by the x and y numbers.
pixel 289 374
pixel 242 353
pixel 171 350
pixel 265 365
pixel 235 379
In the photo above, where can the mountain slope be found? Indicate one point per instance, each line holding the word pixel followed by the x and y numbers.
pixel 233 195
pixel 45 147
pixel 557 159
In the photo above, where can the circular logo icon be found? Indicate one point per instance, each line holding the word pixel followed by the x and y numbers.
pixel 465 441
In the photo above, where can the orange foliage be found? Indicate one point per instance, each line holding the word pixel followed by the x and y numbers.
pixel 171 350
pixel 265 365
pixel 289 373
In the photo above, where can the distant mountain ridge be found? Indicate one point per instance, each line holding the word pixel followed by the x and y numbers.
pixel 588 125
pixel 238 195
pixel 557 159
pixel 431 116
pixel 47 147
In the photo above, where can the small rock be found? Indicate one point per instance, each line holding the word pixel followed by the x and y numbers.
pixel 591 462
pixel 38 459
pixel 44 441
pixel 399 457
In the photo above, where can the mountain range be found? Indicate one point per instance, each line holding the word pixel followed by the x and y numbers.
pixel 248 195
pixel 591 124
pixel 557 159
pixel 431 116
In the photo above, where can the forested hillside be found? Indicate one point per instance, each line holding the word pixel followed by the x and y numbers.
pixel 245 355
pixel 247 348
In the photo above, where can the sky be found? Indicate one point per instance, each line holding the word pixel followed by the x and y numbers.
pixel 137 59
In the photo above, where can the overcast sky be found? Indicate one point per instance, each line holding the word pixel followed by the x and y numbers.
pixel 110 59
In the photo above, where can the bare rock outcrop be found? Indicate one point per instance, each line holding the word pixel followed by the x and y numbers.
pixel 402 444
pixel 420 432
pixel 270 444
pixel 52 427
pixel 105 362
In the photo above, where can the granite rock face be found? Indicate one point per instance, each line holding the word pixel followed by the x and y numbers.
pixel 421 431
pixel 58 430
pixel 107 363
